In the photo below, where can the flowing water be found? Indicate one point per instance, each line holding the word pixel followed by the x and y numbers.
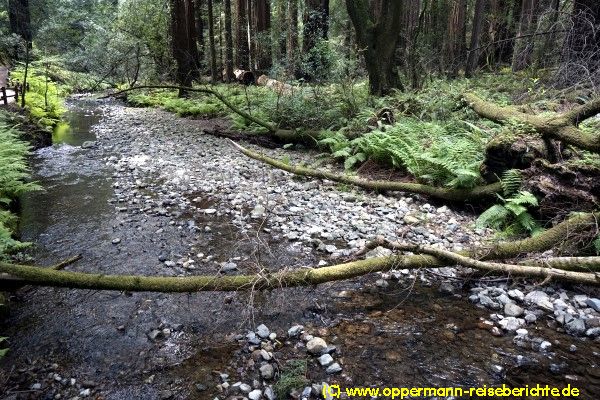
pixel 398 336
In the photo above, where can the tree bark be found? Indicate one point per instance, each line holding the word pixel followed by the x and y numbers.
pixel 183 41
pixel 455 42
pixel 242 50
pixel 20 19
pixel 427 257
pixel 377 37
pixel 523 48
pixel 211 40
pixel 263 35
pixel 455 195
pixel 473 54
pixel 228 74
pixel 292 37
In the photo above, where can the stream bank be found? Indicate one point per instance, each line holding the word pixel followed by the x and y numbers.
pixel 141 191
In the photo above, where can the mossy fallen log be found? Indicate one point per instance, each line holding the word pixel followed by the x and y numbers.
pixel 455 195
pixel 284 135
pixel 561 127
pixel 428 258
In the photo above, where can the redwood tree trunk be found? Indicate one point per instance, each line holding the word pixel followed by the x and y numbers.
pixel 475 36
pixel 241 30
pixel 183 43
pixel 263 34
pixel 523 48
pixel 20 18
pixel 211 40
pixel 292 36
pixel 377 37
pixel 228 42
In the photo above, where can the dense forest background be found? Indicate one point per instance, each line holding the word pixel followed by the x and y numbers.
pixel 398 44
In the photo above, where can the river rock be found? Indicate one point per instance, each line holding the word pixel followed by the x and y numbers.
pixel 255 394
pixel 516 294
pixel 326 360
pixel 539 299
pixel 575 327
pixel 263 331
pixel 593 303
pixel 513 310
pixel 267 371
pixel 334 368
pixel 316 345
pixel 295 330
pixel 511 323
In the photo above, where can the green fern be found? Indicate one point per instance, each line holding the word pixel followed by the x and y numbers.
pixel 511 182
pixel 512 217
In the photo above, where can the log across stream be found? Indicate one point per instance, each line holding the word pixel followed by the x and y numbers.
pixel 150 194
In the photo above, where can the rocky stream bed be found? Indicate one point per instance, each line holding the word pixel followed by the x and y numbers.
pixel 141 191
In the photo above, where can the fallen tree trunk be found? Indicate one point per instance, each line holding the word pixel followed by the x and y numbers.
pixel 561 127
pixel 430 258
pixel 286 135
pixel 281 88
pixel 243 76
pixel 457 195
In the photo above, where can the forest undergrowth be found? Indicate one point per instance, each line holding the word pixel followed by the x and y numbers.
pixel 430 136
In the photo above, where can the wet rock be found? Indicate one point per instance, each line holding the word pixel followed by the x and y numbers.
pixel 88 144
pixel 593 332
pixel 155 334
pixel 487 302
pixel 516 294
pixel 316 345
pixel 379 252
pixel 306 393
pixel 446 288
pixel 258 212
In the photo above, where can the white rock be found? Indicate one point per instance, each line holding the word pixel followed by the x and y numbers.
pixel 255 394
pixel 316 345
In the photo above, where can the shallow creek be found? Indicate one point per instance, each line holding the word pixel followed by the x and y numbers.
pixel 397 336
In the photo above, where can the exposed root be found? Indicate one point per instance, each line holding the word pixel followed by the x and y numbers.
pixel 455 195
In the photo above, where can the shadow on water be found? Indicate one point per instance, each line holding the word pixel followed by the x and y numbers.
pixel 81 115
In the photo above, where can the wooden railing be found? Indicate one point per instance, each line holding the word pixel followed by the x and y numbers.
pixel 4 96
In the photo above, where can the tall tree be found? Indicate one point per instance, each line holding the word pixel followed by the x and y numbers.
pixel 377 37
pixel 228 42
pixel 316 23
pixel 292 36
pixel 455 43
pixel 200 28
pixel 185 51
pixel 316 28
pixel 475 37
pixel 262 17
pixel 20 18
pixel 242 50
pixel 211 41
pixel 524 43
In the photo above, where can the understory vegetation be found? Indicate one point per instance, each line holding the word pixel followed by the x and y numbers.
pixel 14 174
